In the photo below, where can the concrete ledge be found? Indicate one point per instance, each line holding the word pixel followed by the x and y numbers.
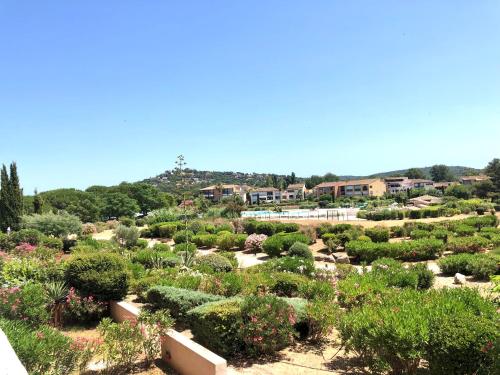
pixel 189 358
pixel 9 363
pixel 121 311
pixel 181 353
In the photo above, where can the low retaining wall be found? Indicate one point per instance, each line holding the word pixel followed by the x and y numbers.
pixel 183 354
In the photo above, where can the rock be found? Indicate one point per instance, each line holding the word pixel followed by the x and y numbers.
pixel 459 279
pixel 342 258
pixel 324 258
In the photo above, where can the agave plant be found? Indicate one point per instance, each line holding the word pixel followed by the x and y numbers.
pixel 187 258
pixel 56 292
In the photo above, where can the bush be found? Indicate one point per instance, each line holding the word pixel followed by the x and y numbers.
pixel 321 318
pixel 83 310
pixel 224 228
pixel 288 239
pixel 418 234
pixel 167 230
pixel 102 275
pixel 226 241
pixel 255 243
pixel 126 221
pixel 397 231
pixel 185 247
pixel 27 303
pixel 214 263
pixel 286 227
pixel 30 236
pixel 205 240
pixel 267 324
pixel 481 221
pixel 250 226
pixel 300 249
pixel 216 326
pixel 425 277
pixel 481 266
pixel 265 228
pixel 463 230
pixel 467 244
pixel 273 246
pixel 52 243
pixel 41 351
pixel 178 301
pixel 150 258
pixel 289 264
pixel 182 236
pixel 378 234
pixel 240 240
pixel 126 236
pixel 287 284
pixel 57 225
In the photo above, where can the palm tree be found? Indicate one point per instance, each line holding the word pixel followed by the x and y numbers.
pixel 56 292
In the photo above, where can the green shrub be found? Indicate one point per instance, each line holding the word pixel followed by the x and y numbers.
pixel 239 241
pixel 250 226
pixel 321 318
pixel 265 228
pixel 267 324
pixel 397 231
pixel 41 351
pixel 57 225
pixel 231 256
pixel 288 264
pixel 378 234
pixel 216 325
pixel 27 303
pixel 287 284
pixel 425 277
pixel 224 228
pixel 286 227
pixel 356 290
pixel 273 246
pixel 161 247
pixel 177 300
pixel 167 230
pixel 227 284
pixel 481 266
pixel 127 221
pixel 205 240
pixel 183 236
pixel 226 241
pixel 300 249
pixel 31 236
pixel 102 275
pixel 126 236
pixel 52 243
pixel 288 239
pixel 463 230
pixel 419 233
pixel 185 247
pixel 481 221
pixel 467 244
pixel 214 263
pixel 151 258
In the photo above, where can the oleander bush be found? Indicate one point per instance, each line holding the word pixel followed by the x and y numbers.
pixel 255 243
pixel 299 249
pixel 27 303
pixel 378 234
pixel 177 300
pixel 481 266
pixel 467 244
pixel 103 275
pixel 43 350
pixel 213 263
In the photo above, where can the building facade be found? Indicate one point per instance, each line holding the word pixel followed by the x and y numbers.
pixel 264 195
pixel 375 187
pixel 216 193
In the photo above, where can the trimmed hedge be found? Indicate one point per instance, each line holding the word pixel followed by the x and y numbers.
pixel 300 249
pixel 423 249
pixel 214 263
pixel 378 234
pixel 481 266
pixel 178 301
pixel 467 244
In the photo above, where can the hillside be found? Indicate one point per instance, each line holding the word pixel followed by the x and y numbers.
pixel 168 181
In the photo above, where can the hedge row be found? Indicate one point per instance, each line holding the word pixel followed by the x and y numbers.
pixel 481 266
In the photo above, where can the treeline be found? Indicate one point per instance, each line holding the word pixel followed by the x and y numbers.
pixel 100 202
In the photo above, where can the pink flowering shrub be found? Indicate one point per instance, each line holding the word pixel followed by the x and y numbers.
pixel 267 324
pixel 83 309
pixel 27 303
pixel 24 249
pixel 254 242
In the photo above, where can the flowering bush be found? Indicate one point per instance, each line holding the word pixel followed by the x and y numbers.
pixel 154 326
pixel 88 229
pixel 254 242
pixel 24 249
pixel 28 304
pixel 267 324
pixel 83 309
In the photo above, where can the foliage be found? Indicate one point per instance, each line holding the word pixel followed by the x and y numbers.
pixel 264 227
pixel 121 343
pixel 103 275
pixel 42 351
pixel 300 249
pixel 287 284
pixel 481 266
pixel 11 199
pixel 178 301
pixel 441 172
pixel 116 204
pixel 213 263
pixel 273 246
pixel 57 225
pixel 126 236
pixel 183 236
pixel 216 325
pixel 86 206
pixel 154 326
pixel 151 258
pixel 378 234
pixel 321 318
pixel 287 264
pixel 27 303
pixel 467 244
pixel 83 310
pixel 254 242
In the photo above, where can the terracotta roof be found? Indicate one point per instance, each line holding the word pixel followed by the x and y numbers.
pixel 478 177
pixel 349 182
pixel 417 180
pixel 296 186
pixel 264 189
pixel 213 187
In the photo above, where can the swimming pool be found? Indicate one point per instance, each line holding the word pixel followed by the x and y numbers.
pixel 322 213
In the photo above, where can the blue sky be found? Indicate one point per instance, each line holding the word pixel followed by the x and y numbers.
pixel 98 92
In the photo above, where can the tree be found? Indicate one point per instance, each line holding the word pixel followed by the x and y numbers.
pixel 37 203
pixel 50 224
pixel 415 173
pixel 459 191
pixel 115 205
pixel 11 199
pixel 147 196
pixel 85 205
pixel 484 189
pixel 493 170
pixel 441 172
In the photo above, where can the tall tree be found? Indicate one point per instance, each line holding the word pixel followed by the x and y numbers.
pixel 493 170
pixel 37 203
pixel 441 172
pixel 415 173
pixel 11 198
pixel 16 195
pixel 4 199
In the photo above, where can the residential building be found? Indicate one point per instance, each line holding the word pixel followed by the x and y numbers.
pixel 294 192
pixel 375 187
pixel 216 193
pixel 442 185
pixel 419 183
pixel 471 180
pixel 396 185
pixel 265 195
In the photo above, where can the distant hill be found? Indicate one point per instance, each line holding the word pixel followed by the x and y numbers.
pixel 168 181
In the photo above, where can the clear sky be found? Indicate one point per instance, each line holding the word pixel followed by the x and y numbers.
pixel 98 92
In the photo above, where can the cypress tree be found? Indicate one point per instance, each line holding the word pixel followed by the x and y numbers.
pixel 4 199
pixel 37 203
pixel 16 196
